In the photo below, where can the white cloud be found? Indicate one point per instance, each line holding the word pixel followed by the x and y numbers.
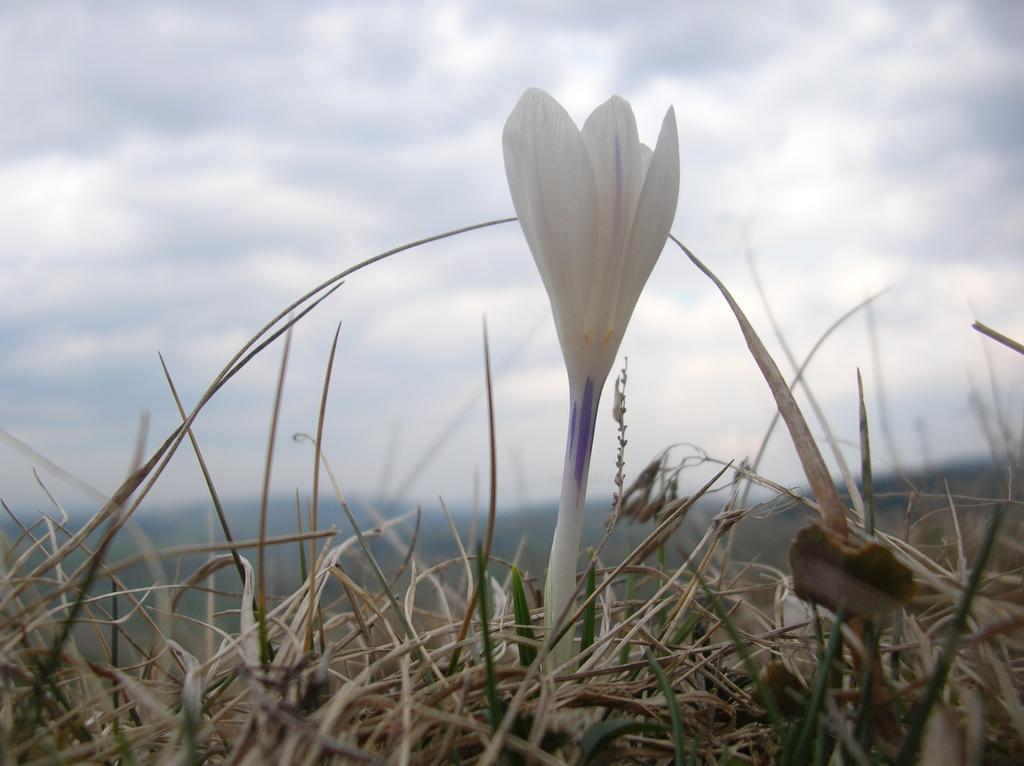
pixel 60 207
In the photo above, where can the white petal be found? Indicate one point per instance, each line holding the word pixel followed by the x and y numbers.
pixel 645 158
pixel 617 158
pixel 654 215
pixel 614 147
pixel 553 190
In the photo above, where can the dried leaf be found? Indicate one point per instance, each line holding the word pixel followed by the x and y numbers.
pixel 867 580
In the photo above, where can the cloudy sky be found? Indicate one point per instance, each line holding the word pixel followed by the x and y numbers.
pixel 172 175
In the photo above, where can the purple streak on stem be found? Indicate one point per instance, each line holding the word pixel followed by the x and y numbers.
pixel 570 440
pixel 565 542
pixel 582 440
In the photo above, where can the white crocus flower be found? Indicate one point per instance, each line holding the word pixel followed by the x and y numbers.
pixel 595 206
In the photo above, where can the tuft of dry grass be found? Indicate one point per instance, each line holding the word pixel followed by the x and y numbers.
pixel 678 671
pixel 687 655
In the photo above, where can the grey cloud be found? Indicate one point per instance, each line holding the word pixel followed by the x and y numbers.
pixel 231 132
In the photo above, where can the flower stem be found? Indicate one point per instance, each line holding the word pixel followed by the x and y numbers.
pixel 565 545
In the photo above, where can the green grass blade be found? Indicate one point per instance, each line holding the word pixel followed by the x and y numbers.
pixel 490 677
pixel 862 726
pixel 524 623
pixel 678 736
pixel 814 706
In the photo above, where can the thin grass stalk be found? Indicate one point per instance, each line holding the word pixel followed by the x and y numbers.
pixel 303 568
pixel 317 447
pixel 492 506
pixel 862 725
pixel 866 476
pixel 999 337
pixel 115 644
pixel 433 448
pixel 261 595
pixel 211 488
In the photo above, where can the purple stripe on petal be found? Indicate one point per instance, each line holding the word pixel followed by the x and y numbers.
pixel 618 213
pixel 585 434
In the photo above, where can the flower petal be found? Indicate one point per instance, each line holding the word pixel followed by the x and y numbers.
pixel 655 212
pixel 553 190
pixel 645 157
pixel 614 147
pixel 617 158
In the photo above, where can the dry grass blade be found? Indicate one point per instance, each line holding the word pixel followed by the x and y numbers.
pixel 261 593
pixel 492 506
pixel 999 337
pixel 214 496
pixel 812 400
pixel 802 369
pixel 832 509
pixel 866 474
pixel 314 518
